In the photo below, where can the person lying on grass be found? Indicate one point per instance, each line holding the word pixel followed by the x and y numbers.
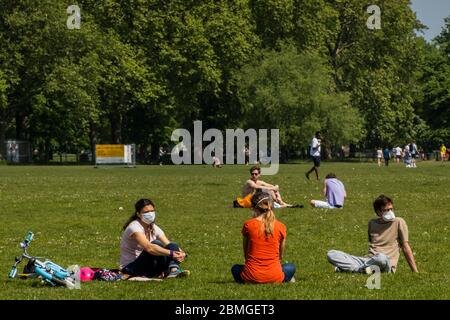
pixel 264 240
pixel 387 235
pixel 145 249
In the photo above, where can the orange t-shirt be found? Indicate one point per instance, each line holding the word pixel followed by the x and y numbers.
pixel 263 258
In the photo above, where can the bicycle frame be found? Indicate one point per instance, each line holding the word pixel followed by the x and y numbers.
pixel 49 271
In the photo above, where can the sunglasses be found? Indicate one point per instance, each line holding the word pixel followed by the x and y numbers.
pixel 255 174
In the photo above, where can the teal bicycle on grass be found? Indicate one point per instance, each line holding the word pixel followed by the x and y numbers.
pixel 47 270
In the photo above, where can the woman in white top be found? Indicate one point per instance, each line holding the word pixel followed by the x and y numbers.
pixel 145 249
pixel 379 156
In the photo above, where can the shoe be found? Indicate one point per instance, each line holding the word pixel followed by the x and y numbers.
pixel 178 273
pixel 369 270
pixel 292 280
pixel 336 269
pixel 307 176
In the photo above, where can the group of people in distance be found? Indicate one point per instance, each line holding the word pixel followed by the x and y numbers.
pixel 146 251
pixel 409 154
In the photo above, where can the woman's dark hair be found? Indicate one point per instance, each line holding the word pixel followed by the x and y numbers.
pixel 331 175
pixel 381 202
pixel 141 203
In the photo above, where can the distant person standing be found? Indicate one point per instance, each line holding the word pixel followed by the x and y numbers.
pixel 247 155
pixel 398 154
pixel 315 154
pixel 443 152
pixel 407 157
pixel 414 153
pixel 379 156
pixel 386 156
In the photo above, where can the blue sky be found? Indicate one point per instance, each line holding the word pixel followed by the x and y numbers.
pixel 432 14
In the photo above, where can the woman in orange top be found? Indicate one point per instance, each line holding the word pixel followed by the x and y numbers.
pixel 264 241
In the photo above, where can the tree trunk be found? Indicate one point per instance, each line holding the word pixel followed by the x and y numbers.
pixel 144 154
pixel 19 126
pixel 155 152
pixel 92 136
pixel 116 128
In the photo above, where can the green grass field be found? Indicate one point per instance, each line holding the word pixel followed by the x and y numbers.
pixel 74 213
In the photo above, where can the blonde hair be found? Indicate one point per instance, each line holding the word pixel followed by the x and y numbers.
pixel 262 204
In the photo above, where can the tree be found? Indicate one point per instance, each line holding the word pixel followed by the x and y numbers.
pixel 294 92
pixel 433 105
pixel 379 67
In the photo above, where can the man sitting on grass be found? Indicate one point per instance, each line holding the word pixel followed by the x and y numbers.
pixel 387 235
pixel 334 191
pixel 254 184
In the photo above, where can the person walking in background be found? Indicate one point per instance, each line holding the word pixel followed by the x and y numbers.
pixel 247 155
pixel 398 154
pixel 379 156
pixel 315 154
pixel 386 156
pixel 414 153
pixel 264 241
pixel 407 158
pixel 443 150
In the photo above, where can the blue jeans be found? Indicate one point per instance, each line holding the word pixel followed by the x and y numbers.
pixel 149 265
pixel 287 268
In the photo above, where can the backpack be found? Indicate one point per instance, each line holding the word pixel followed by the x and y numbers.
pixel 107 275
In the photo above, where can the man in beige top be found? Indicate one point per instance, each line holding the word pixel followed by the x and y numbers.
pixel 387 235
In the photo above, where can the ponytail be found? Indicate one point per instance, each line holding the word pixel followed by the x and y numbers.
pixel 133 217
pixel 262 204
pixel 268 222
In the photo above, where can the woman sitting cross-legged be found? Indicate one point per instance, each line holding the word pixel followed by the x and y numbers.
pixel 264 239
pixel 145 249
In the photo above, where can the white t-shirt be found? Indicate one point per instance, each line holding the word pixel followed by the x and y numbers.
pixel 315 147
pixel 380 154
pixel 398 151
pixel 129 247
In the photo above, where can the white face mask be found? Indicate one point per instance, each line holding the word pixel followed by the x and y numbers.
pixel 148 217
pixel 388 216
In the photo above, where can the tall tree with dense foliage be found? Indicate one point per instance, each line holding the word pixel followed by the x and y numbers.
pixel 295 92
pixel 434 105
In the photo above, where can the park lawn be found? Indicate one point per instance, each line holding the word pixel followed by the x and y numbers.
pixel 74 213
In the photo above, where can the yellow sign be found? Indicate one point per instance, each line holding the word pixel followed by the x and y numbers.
pixel 109 150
